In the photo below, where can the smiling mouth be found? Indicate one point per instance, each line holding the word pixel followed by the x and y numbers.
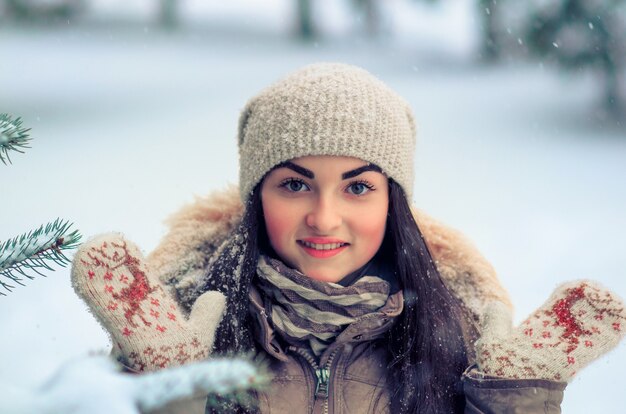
pixel 322 250
pixel 322 246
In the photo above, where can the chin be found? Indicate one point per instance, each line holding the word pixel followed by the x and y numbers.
pixel 329 277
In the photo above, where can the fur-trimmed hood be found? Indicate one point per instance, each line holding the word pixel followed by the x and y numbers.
pixel 198 230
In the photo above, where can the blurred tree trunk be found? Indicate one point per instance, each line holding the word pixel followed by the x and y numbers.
pixel 42 10
pixel 490 46
pixel 168 13
pixel 614 101
pixel 306 30
pixel 16 9
pixel 372 15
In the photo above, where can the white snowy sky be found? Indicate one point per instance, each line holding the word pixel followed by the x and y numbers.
pixel 131 122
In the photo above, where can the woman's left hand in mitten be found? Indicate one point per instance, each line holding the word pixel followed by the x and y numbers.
pixel 147 326
pixel 580 322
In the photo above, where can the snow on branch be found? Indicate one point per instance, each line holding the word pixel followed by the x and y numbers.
pixel 13 137
pixel 35 251
pixel 96 385
pixel 223 377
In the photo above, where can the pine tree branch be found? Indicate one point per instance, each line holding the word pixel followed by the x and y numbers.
pixel 13 137
pixel 91 384
pixel 36 251
pixel 221 379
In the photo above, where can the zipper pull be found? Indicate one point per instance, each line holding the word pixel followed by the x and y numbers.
pixel 323 376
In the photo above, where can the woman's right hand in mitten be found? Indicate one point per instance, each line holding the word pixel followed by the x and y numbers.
pixel 580 322
pixel 146 325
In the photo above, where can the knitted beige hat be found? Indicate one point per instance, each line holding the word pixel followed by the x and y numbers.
pixel 326 109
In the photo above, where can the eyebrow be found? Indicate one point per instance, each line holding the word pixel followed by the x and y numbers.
pixel 348 174
pixel 300 170
pixel 360 170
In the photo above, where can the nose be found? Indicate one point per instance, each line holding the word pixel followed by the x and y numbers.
pixel 324 215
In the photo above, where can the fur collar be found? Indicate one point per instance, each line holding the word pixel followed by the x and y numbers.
pixel 198 230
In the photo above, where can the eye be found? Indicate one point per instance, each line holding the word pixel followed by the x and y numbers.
pixel 294 185
pixel 360 188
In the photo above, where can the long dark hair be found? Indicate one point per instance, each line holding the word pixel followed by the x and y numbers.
pixel 231 272
pixel 427 345
pixel 427 348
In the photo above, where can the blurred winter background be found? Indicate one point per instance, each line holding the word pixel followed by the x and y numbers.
pixel 133 106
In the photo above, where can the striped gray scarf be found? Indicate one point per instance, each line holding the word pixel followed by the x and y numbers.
pixel 313 313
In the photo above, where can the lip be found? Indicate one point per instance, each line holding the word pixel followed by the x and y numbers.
pixel 323 240
pixel 322 254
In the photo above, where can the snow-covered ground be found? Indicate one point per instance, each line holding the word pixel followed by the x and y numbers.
pixel 130 122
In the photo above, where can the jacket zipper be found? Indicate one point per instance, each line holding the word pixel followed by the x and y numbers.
pixel 322 374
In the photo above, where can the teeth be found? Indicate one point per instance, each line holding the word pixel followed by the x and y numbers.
pixel 327 246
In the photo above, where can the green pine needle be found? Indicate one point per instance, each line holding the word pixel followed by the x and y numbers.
pixel 35 251
pixel 13 137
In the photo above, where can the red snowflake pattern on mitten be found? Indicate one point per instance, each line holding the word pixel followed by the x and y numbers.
pixel 580 322
pixel 144 322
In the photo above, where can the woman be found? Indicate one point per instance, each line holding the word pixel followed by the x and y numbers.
pixel 354 302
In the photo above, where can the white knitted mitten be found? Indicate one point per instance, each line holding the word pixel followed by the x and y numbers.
pixel 145 324
pixel 580 322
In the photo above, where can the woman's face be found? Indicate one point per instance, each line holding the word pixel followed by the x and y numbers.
pixel 325 215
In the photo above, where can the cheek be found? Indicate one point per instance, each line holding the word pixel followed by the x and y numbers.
pixel 371 228
pixel 278 222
